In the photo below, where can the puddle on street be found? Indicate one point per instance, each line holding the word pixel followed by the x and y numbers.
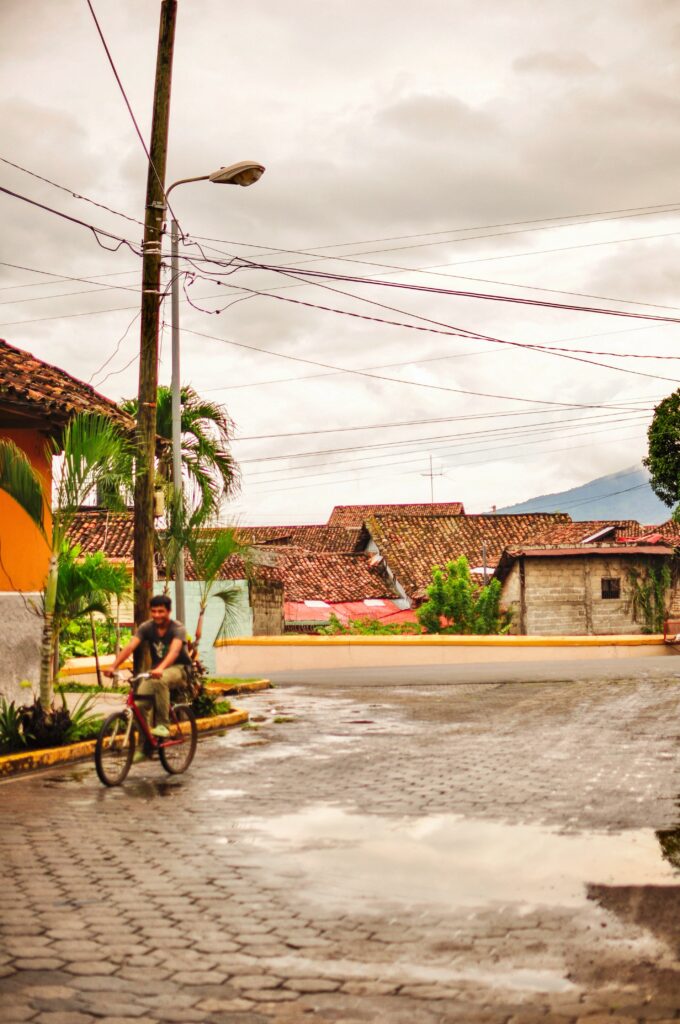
pixel 451 861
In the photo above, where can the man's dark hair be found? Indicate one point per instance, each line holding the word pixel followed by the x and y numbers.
pixel 160 601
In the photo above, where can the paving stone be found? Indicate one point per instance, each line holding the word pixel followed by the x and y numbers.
pixel 254 981
pixel 212 1006
pixel 67 1017
pixel 312 985
pixel 90 967
pixel 38 964
pixel 270 995
pixel 199 978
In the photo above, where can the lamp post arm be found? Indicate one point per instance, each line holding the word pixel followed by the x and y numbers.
pixel 185 181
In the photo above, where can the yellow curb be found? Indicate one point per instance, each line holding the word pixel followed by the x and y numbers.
pixel 438 640
pixel 88 667
pixel 32 760
pixel 249 687
pixel 235 717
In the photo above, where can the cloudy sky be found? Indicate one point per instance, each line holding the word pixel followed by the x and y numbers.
pixel 507 148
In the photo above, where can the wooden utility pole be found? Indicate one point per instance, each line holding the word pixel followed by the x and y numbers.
pixel 148 351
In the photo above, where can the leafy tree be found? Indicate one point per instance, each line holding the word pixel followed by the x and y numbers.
pixel 94 451
pixel 210 470
pixel 663 459
pixel 456 604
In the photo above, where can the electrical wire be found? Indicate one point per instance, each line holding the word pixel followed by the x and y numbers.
pixel 59 278
pixel 71 192
pixel 130 110
pixel 642 211
pixel 76 220
pixel 382 377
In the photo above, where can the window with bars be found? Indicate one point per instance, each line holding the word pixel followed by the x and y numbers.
pixel 611 588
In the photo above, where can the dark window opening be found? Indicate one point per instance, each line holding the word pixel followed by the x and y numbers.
pixel 611 587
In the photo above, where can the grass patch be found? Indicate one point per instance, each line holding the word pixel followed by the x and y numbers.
pixel 88 688
pixel 250 726
pixel 284 719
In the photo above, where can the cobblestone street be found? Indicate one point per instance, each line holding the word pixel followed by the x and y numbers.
pixel 442 852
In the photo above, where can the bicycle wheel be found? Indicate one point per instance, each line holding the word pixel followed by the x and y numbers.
pixel 177 753
pixel 114 749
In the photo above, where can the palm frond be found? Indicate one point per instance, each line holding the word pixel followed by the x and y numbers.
pixel 20 480
pixel 94 453
pixel 232 600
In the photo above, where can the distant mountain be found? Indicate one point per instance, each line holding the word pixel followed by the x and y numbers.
pixel 623 495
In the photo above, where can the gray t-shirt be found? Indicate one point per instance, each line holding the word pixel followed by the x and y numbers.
pixel 158 645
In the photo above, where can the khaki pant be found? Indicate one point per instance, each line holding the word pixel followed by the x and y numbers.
pixel 174 678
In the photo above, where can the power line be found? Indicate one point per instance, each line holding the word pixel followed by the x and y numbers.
pixel 420 422
pixel 296 274
pixel 598 218
pixel 449 329
pixel 76 220
pixel 524 431
pixel 480 462
pixel 59 278
pixel 374 376
pixel 70 191
pixel 129 107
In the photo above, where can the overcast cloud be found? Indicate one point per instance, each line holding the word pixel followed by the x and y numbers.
pixel 434 120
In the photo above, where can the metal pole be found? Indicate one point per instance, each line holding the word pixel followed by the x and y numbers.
pixel 180 606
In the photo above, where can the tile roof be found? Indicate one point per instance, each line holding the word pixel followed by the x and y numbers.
pixel 306 575
pixel 412 545
pixel 578 533
pixel 98 529
pixel 31 389
pixel 316 537
pixel 324 575
pixel 353 516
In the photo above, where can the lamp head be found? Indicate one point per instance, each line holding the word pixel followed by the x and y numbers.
pixel 247 172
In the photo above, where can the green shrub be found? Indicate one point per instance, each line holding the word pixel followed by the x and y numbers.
pixel 455 604
pixel 367 627
pixel 75 639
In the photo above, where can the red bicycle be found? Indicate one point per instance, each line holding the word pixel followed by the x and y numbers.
pixel 123 730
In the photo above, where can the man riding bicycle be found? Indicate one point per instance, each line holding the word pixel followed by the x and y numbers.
pixel 170 661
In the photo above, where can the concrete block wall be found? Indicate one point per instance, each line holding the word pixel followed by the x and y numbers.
pixel 564 596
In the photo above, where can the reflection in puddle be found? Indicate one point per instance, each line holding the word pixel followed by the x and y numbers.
pixel 222 794
pixel 522 979
pixel 451 861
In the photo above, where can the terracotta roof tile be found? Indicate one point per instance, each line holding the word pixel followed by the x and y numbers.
pixel 33 389
pixel 353 516
pixel 412 545
pixel 314 537
pixel 97 529
pixel 324 576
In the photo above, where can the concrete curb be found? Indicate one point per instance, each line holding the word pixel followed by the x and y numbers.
pixel 250 687
pixel 50 757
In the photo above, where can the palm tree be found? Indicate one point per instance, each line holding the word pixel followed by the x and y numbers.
pixel 209 550
pixel 94 451
pixel 210 469
pixel 86 584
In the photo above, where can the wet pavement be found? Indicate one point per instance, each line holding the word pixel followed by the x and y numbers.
pixel 426 848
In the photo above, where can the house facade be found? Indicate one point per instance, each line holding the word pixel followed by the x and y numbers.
pixel 36 401
pixel 586 589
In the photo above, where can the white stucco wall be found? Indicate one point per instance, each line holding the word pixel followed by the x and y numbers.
pixel 19 645
pixel 214 613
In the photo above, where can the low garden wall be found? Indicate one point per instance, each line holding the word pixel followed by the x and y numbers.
pixel 265 654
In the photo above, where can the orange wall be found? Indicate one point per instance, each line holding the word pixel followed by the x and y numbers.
pixel 23 551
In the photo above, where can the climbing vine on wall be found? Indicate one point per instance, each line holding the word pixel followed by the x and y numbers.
pixel 649 587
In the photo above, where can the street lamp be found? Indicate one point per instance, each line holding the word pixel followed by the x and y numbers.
pixel 245 173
